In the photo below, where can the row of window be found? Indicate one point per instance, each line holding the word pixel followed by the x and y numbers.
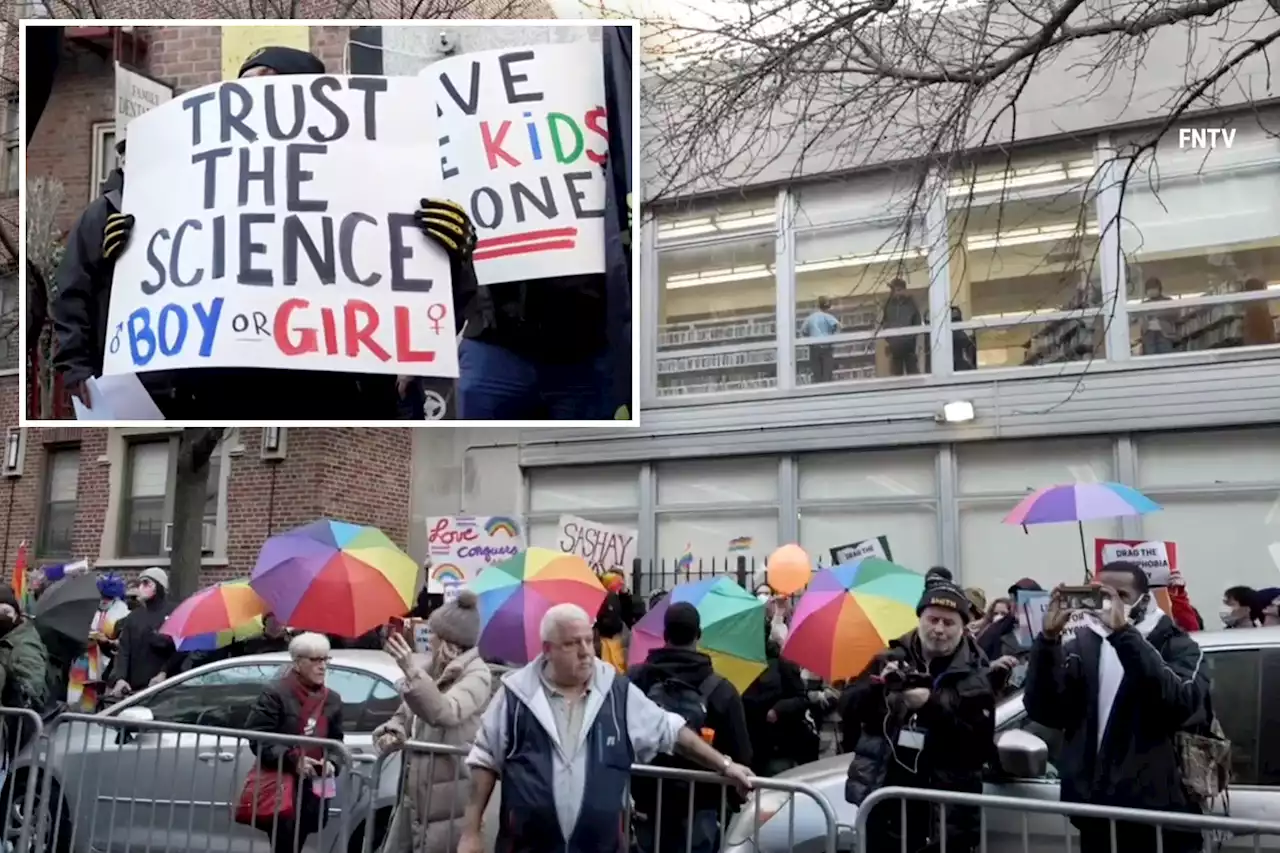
pixel 146 502
pixel 1021 267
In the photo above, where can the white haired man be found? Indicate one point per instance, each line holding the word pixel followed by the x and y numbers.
pixel 562 735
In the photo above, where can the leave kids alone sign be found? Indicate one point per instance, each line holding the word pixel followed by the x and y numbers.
pixel 274 215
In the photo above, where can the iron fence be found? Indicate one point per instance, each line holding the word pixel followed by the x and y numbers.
pixel 654 575
pixel 125 783
pixel 674 824
pixel 999 824
pixel 20 729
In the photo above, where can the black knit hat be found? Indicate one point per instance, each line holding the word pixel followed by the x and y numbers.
pixel 681 624
pixel 10 597
pixel 283 60
pixel 945 595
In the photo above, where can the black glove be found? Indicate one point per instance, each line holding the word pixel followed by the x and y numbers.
pixel 115 236
pixel 448 224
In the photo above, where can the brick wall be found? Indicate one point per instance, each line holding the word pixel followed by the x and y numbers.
pixel 357 475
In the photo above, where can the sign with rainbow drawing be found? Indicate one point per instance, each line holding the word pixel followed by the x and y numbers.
pixel 462 546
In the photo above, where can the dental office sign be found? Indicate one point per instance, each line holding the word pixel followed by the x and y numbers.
pixel 136 94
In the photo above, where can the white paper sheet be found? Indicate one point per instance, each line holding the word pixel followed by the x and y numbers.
pixel 116 398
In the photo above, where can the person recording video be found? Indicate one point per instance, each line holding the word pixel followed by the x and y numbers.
pixel 922 716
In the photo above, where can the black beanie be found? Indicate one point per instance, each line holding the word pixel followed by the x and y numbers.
pixel 945 595
pixel 283 60
pixel 9 597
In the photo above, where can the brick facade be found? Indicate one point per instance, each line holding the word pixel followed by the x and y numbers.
pixel 358 475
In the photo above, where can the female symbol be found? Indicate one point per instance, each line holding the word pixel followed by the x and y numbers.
pixel 435 317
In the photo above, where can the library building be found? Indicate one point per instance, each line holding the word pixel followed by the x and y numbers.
pixel 884 355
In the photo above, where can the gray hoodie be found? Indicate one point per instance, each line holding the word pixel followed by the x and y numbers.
pixel 651 729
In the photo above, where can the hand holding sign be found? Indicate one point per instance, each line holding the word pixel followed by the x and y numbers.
pixel 115 236
pixel 448 224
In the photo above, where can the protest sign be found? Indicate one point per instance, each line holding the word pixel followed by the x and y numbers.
pixel 274 228
pixel 462 546
pixel 1157 559
pixel 877 547
pixel 605 548
pixel 522 146
pixel 136 94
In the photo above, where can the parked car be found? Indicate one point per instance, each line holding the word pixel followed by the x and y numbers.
pixel 165 791
pixel 1245 668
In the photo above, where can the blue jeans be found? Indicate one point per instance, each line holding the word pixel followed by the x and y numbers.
pixel 701 836
pixel 498 384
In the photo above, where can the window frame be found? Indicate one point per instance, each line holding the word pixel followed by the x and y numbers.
pixel 220 467
pixel 12 147
pixel 101 150
pixel 42 525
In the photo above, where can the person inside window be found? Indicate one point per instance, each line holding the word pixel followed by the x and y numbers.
pixel 901 311
pixel 821 323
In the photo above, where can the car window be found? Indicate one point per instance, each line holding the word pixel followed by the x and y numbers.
pixel 1236 678
pixel 367 700
pixel 220 698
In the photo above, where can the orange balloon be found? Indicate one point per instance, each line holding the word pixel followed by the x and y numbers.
pixel 789 570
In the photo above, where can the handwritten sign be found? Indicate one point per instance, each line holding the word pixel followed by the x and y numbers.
pixel 462 546
pixel 275 229
pixel 605 548
pixel 1158 559
pixel 878 547
pixel 522 147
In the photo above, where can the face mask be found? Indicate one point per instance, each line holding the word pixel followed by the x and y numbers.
pixel 1227 615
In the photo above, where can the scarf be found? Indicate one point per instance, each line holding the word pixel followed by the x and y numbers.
pixel 1110 670
pixel 87 670
pixel 310 712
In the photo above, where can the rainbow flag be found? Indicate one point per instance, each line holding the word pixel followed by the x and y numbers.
pixel 21 587
pixel 684 562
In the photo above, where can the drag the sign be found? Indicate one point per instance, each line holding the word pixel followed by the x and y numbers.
pixel 274 228
pixel 522 148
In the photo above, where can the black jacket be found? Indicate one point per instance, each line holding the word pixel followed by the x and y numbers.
pixel 724 715
pixel 144 651
pixel 1164 690
pixel 781 689
pixel 279 712
pixel 958 726
pixel 82 291
pixel 562 320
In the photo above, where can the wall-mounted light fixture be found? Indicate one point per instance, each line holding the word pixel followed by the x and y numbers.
pixel 956 412
pixel 13 452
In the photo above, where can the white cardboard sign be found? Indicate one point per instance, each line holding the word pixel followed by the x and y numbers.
pixel 605 548
pixel 522 148
pixel 274 228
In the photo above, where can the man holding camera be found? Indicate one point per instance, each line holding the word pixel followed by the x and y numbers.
pixel 1120 689
pixel 922 715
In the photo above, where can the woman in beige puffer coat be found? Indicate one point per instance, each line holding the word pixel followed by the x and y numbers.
pixel 445 694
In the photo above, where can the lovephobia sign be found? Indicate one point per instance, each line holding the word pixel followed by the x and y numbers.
pixel 274 228
pixel 522 148
pixel 274 215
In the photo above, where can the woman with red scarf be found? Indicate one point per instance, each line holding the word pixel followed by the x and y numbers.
pixel 297 704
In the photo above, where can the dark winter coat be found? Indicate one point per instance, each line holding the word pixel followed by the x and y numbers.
pixel 724 715
pixel 781 689
pixel 144 651
pixel 561 320
pixel 278 711
pixel 24 665
pixel 1165 690
pixel 958 726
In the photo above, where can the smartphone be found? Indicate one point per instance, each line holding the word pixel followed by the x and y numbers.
pixel 1082 597
pixel 400 625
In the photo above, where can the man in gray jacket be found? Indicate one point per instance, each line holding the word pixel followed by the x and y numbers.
pixel 562 735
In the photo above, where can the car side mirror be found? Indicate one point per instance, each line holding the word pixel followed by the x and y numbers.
pixel 1022 755
pixel 136 714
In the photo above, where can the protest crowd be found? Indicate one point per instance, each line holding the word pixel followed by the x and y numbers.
pixel 1118 676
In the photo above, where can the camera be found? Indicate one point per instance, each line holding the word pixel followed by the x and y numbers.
pixel 905 677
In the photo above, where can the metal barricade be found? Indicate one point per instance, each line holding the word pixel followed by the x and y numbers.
pixel 20 730
pixel 121 783
pixel 681 822
pixel 1021 837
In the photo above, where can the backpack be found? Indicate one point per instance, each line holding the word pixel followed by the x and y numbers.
pixel 680 697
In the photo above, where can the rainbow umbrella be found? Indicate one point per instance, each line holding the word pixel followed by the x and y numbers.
pixel 514 594
pixel 215 617
pixel 335 578
pixel 1080 502
pixel 732 628
pixel 849 614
